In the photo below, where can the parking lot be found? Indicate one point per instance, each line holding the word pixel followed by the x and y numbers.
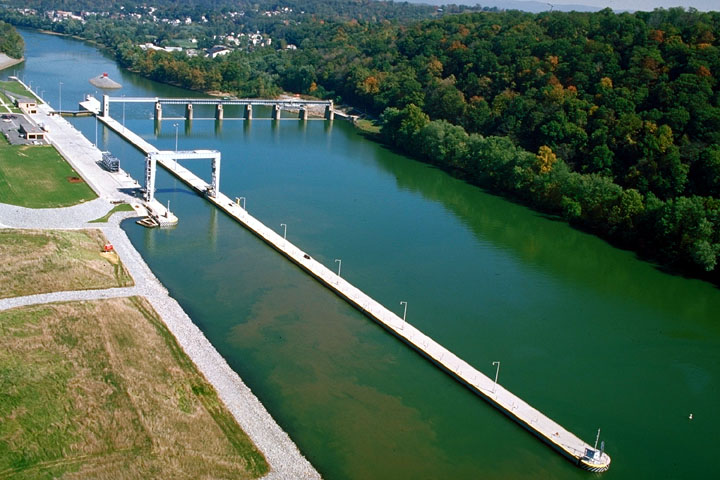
pixel 10 127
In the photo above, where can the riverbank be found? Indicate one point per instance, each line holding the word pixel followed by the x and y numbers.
pixel 6 62
pixel 283 456
pixel 159 397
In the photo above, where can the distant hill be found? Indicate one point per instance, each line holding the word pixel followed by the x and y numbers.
pixel 583 6
pixel 526 6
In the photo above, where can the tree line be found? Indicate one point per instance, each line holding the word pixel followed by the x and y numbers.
pixel 611 121
pixel 11 43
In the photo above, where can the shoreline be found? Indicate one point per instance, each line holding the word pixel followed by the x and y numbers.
pixel 7 62
pixel 342 109
pixel 282 454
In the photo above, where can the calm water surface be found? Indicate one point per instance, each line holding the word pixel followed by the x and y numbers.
pixel 586 333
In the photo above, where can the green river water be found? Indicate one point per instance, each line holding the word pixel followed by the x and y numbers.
pixel 587 333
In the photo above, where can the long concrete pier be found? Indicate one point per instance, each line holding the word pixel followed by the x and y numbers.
pixel 566 443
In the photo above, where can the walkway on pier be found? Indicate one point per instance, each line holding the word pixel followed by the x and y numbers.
pixel 565 442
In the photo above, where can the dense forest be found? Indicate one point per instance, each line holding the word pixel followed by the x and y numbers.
pixel 611 121
pixel 11 43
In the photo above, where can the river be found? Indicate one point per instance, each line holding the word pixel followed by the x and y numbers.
pixel 588 334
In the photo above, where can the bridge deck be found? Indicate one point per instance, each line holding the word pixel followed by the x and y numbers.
pixel 216 101
pixel 530 418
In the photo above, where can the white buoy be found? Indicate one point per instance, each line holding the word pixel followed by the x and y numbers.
pixel 691 416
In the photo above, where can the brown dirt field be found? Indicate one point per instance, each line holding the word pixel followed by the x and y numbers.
pixel 101 390
pixel 43 261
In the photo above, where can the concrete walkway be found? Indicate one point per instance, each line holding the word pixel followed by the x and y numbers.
pixel 85 157
pixel 283 456
pixel 6 61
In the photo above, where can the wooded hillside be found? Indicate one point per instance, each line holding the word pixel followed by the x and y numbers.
pixel 11 43
pixel 609 120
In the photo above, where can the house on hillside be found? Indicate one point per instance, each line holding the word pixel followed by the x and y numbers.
pixel 217 50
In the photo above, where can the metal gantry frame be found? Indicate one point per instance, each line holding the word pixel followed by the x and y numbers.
pixel 169 156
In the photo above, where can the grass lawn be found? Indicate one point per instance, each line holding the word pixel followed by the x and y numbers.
pixel 123 207
pixel 42 261
pixel 101 389
pixel 36 176
pixel 15 87
pixel 368 126
pixel 9 103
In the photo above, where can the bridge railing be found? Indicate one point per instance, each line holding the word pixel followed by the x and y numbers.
pixel 213 101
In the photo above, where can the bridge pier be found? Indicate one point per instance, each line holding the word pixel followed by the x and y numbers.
pixel 215 179
pixel 150 166
pixel 303 114
pixel 219 112
pixel 158 112
pixel 189 111
pixel 248 111
pixel 276 112
pixel 329 112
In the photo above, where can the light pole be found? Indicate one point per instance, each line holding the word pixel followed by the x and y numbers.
pixel 60 84
pixel 284 230
pixel 176 137
pixel 404 312
pixel 96 130
pixel 497 372
pixel 124 113
pixel 339 262
pixel 237 200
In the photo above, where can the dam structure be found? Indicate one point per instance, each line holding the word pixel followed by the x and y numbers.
pixel 582 454
pixel 303 107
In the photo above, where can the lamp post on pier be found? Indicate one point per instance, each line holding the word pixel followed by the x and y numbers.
pixel 404 312
pixel 284 230
pixel 339 262
pixel 237 200
pixel 497 372
pixel 60 84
